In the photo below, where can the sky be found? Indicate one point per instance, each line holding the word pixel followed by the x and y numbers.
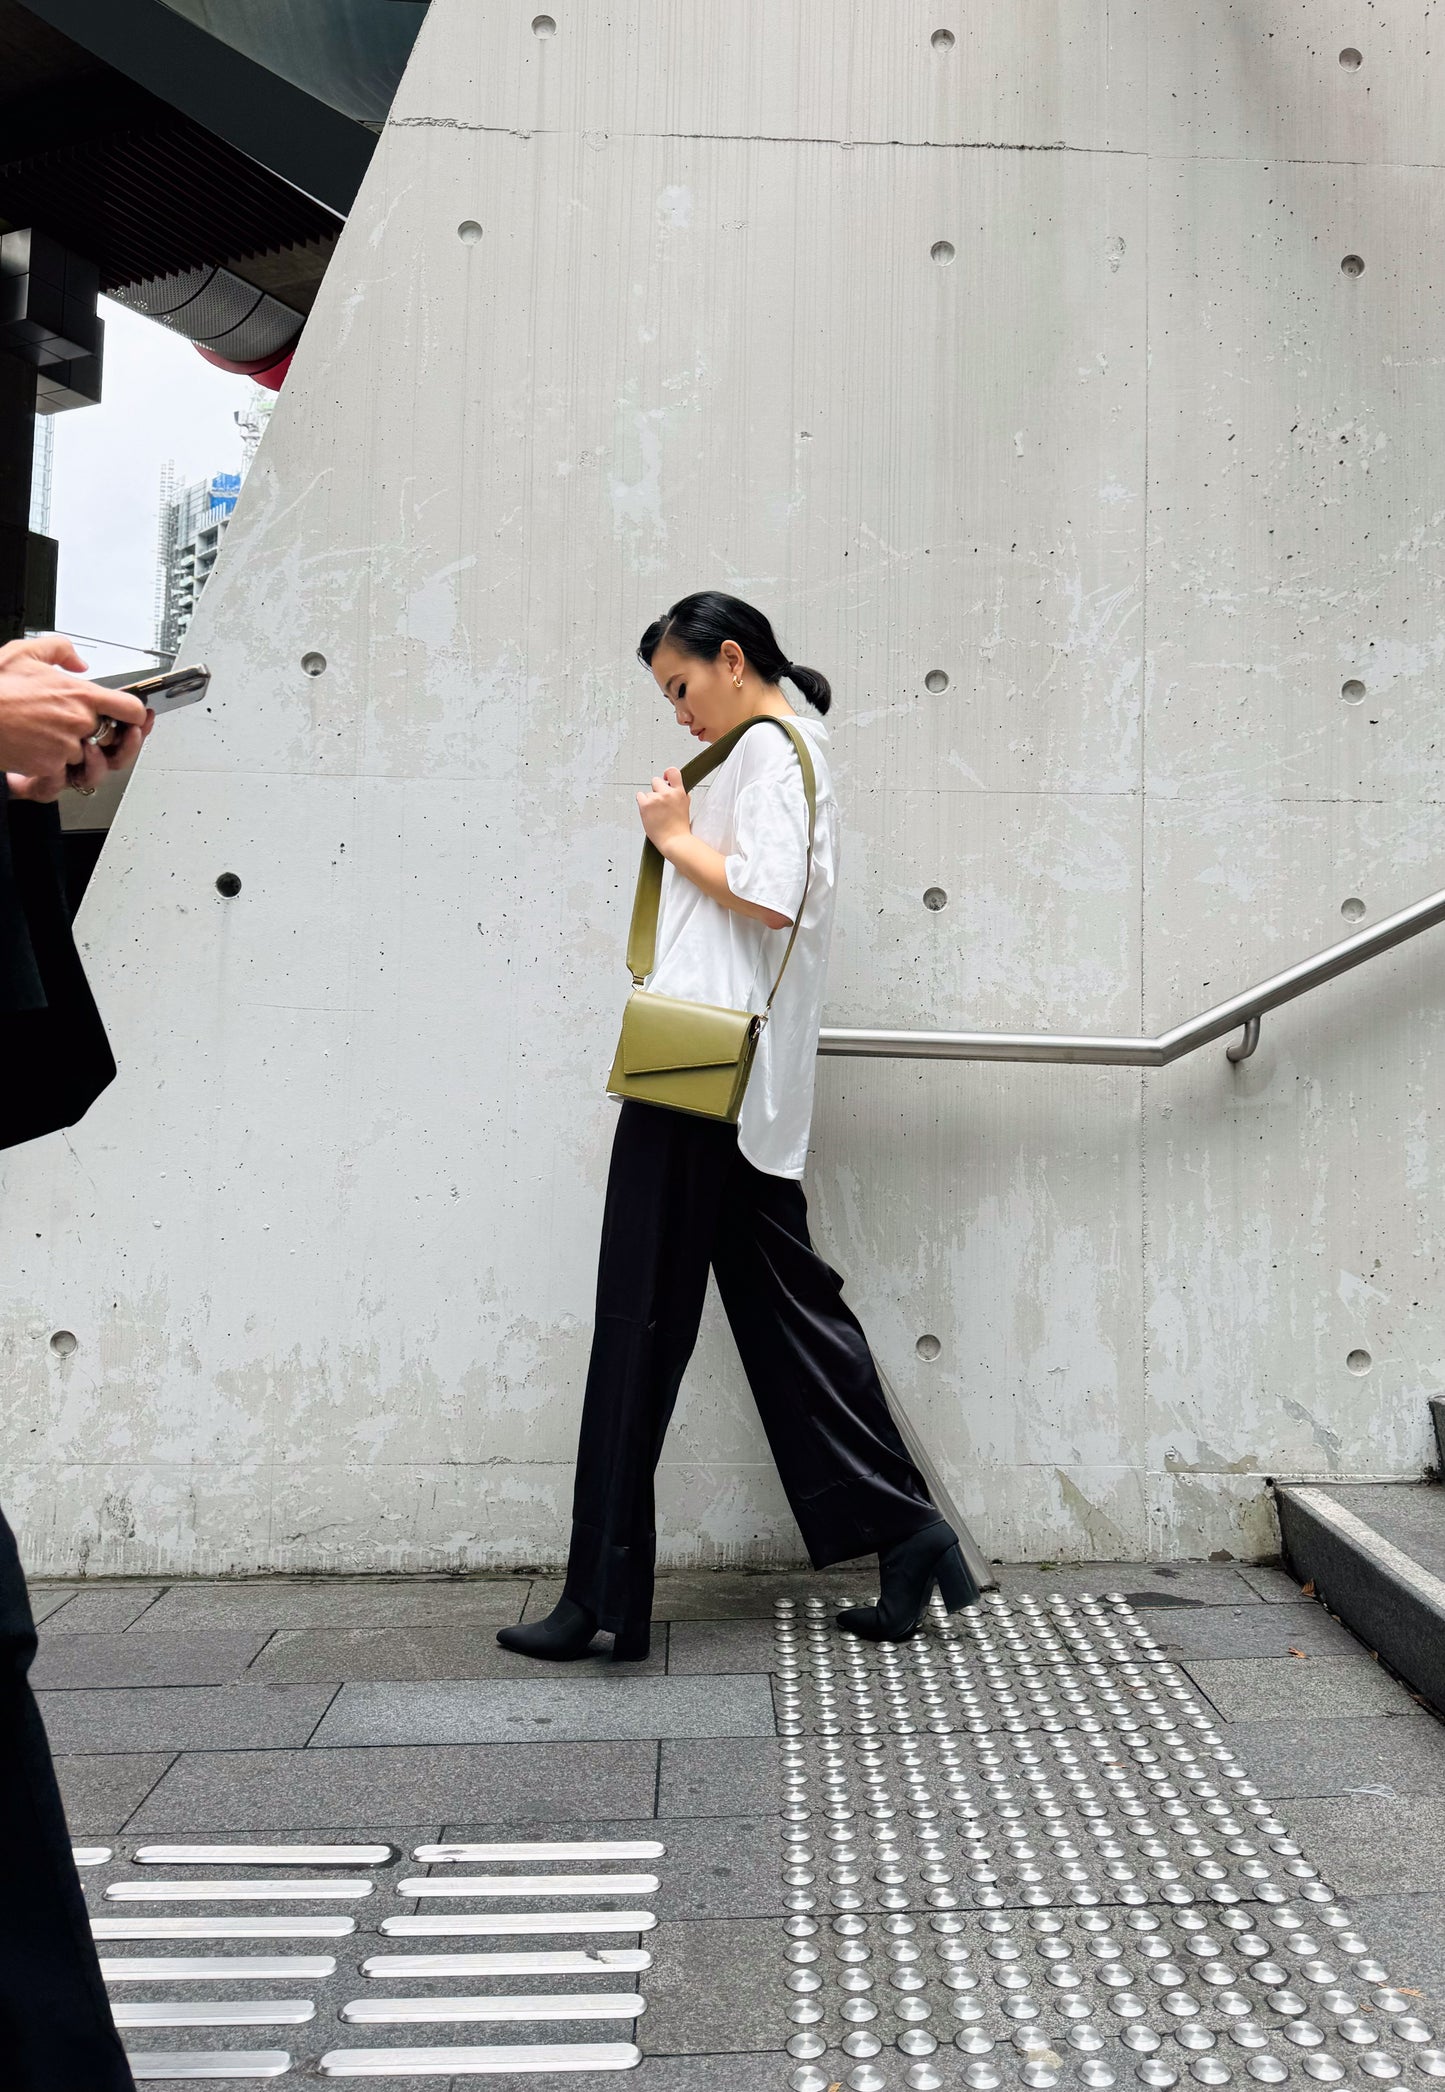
pixel 160 400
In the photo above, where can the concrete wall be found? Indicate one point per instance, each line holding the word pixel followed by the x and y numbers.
pixel 1141 470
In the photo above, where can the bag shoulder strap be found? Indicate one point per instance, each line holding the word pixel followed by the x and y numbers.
pixel 642 935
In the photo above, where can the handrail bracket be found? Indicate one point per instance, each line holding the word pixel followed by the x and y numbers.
pixel 1244 1047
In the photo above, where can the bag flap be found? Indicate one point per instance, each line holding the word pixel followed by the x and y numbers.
pixel 659 1032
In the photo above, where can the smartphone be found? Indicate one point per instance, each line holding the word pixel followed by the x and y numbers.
pixel 163 693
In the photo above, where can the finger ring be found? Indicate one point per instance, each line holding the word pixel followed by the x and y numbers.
pixel 85 791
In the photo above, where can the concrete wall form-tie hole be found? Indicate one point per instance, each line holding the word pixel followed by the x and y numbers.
pixel 1353 692
pixel 543 25
pixel 942 40
pixel 228 886
pixel 928 1347
pixel 1352 908
pixel 1353 265
pixel 942 250
pixel 64 1342
pixel 469 232
pixel 935 898
pixel 935 680
pixel 314 664
pixel 1359 1361
pixel 1350 59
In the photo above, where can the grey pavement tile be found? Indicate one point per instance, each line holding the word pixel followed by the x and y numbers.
pixel 182 1717
pixel 407 1601
pixel 766 2072
pixel 105 1610
pixel 1256 1630
pixel 715 1987
pixel 716 1647
pixel 666 2073
pixel 70 1660
pixel 738 2073
pixel 1407 1934
pixel 719 1776
pixel 1257 1687
pixel 548 1710
pixel 46 1599
pixel 101 1793
pixel 414 1653
pixel 1273 1583
pixel 1154 1586
pixel 752 2072
pixel 1343 1755
pixel 1366 1845
pixel 735 1594
pixel 718 1867
pixel 305 1790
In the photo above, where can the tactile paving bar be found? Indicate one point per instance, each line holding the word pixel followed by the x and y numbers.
pixel 582 1849
pixel 263 1855
pixel 479 2062
pixel 553 1995
pixel 205 2062
pixel 217 2012
pixel 223 1928
pixel 1017 1850
pixel 500 1923
pixel 528 1885
pixel 575 2004
pixel 90 1855
pixel 239 1891
pixel 556 1961
pixel 211 1968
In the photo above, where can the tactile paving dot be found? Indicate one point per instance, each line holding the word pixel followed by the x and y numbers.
pixel 1021 1851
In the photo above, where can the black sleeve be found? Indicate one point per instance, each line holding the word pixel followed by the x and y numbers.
pixel 55 1054
pixel 20 842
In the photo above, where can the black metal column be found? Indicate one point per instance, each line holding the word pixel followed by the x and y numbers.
pixel 17 453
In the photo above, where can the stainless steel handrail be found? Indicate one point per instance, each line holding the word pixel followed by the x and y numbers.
pixel 1244 1009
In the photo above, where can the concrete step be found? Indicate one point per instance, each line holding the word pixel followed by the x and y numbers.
pixel 1375 1553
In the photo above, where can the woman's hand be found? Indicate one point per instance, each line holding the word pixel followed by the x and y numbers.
pixel 95 764
pixel 665 810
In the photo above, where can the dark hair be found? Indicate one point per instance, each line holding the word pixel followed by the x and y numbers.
pixel 698 625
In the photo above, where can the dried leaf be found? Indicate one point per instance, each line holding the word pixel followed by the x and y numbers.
pixel 1309 1588
pixel 1295 1652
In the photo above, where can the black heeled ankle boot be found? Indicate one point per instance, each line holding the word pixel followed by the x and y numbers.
pixel 567 1633
pixel 907 1573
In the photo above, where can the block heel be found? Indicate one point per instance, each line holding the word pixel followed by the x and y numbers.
pixel 907 1573
pixel 631 1643
pixel 956 1586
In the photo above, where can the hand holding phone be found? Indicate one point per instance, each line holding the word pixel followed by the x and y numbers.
pixel 166 692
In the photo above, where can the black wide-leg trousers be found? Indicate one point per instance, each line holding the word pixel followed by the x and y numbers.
pixel 56 2030
pixel 682 1197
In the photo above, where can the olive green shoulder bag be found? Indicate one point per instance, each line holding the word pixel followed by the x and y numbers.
pixel 693 1056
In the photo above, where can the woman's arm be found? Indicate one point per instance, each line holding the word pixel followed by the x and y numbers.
pixel 665 816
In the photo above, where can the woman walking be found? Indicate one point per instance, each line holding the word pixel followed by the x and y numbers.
pixel 687 1192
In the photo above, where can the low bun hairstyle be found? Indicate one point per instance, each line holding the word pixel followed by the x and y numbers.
pixel 698 625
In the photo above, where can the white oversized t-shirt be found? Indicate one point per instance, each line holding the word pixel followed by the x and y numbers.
pixel 753 809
